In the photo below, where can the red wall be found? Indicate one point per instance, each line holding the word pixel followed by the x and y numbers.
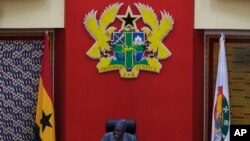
pixel 60 83
pixel 161 104
pixel 198 85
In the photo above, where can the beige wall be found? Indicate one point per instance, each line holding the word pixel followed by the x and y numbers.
pixel 222 14
pixel 31 13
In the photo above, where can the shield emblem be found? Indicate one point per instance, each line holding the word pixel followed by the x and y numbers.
pixel 128 48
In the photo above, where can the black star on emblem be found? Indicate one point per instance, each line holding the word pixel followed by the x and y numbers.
pixel 45 121
pixel 128 19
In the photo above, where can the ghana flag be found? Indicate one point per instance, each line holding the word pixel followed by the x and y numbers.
pixel 45 122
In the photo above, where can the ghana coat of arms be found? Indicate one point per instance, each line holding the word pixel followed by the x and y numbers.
pixel 128 49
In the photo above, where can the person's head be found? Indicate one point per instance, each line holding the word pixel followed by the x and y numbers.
pixel 120 128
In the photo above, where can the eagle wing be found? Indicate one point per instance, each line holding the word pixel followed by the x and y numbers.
pixel 148 15
pixel 91 24
pixel 108 16
pixel 166 25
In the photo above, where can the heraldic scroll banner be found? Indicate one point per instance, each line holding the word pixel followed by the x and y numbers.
pixel 128 49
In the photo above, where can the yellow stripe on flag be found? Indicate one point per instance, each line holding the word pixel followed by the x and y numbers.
pixel 45 115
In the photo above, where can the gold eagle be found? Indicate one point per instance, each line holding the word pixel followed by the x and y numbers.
pixel 99 31
pixel 158 31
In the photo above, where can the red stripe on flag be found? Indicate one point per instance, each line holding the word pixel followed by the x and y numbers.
pixel 46 67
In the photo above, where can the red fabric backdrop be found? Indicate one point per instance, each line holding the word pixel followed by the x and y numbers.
pixel 161 104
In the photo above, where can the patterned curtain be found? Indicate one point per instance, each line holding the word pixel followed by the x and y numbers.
pixel 19 75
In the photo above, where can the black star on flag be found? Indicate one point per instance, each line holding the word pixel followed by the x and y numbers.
pixel 45 121
pixel 128 19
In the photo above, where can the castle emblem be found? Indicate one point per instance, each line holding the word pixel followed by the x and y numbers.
pixel 128 49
